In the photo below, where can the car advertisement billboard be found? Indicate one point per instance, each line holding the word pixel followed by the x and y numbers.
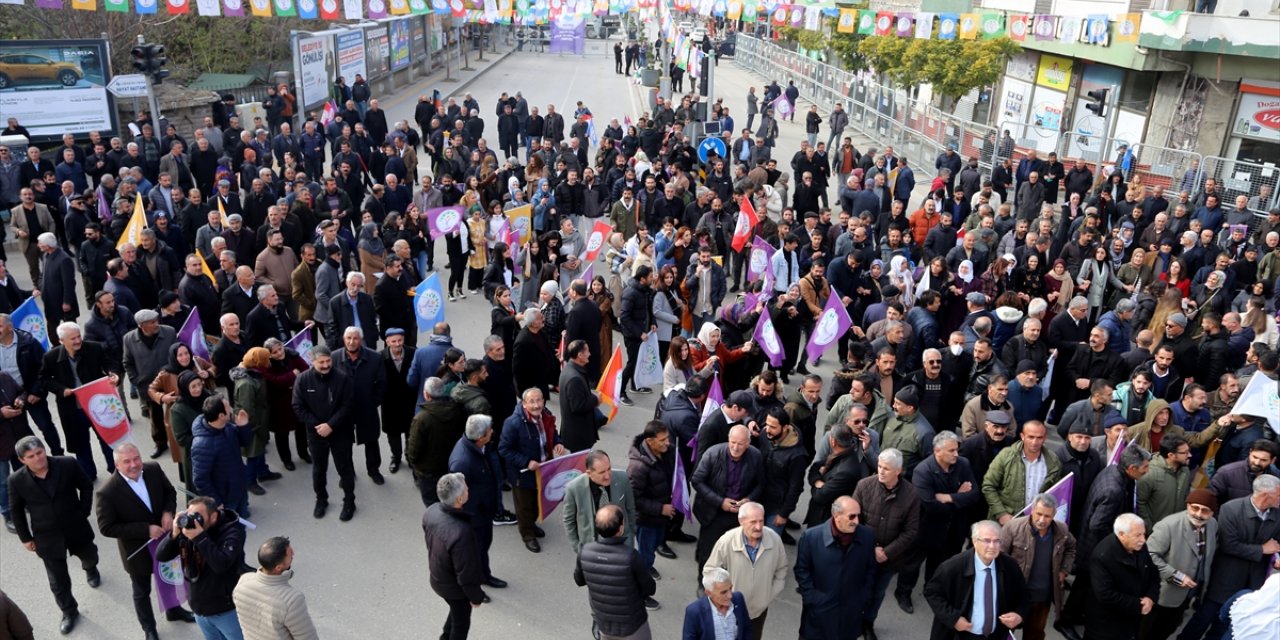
pixel 57 86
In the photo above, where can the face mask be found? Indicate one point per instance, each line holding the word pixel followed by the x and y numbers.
pixel 957 349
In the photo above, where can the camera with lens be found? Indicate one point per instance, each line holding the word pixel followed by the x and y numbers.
pixel 190 520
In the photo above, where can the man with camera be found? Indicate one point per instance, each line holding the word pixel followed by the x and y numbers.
pixel 210 541
pixel 136 505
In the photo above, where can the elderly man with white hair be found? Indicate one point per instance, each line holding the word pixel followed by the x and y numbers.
pixel 475 456
pixel 979 593
pixel 351 308
pixel 67 366
pixel 754 558
pixel 1123 581
pixel 56 276
pixel 722 612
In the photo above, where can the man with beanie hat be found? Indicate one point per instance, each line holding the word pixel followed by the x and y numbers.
pixel 1025 394
pixel 1186 354
pixel 1080 458
pixel 1182 546
pixel 907 430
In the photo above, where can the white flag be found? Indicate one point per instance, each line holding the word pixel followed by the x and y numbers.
pixel 648 363
pixel 1260 399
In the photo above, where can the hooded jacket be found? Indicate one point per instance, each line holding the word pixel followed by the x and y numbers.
pixel 211 563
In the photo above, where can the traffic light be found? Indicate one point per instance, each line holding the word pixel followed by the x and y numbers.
pixel 1098 102
pixel 150 59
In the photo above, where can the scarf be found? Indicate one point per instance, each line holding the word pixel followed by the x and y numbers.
pixel 900 275
pixel 1066 285
pixel 965 272
pixel 370 241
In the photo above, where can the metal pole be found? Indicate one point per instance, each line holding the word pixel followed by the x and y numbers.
pixel 1108 129
pixel 479 34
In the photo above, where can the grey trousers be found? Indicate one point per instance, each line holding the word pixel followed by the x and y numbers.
pixel 640 634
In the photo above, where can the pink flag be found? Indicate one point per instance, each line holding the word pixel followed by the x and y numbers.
pixel 760 263
pixel 595 241
pixel 171 588
pixel 782 106
pixel 831 326
pixel 301 342
pixel 1062 491
pixel 715 398
pixel 444 220
pixel 553 475
pixel 680 497
pixel 192 335
pixel 104 209
pixel 768 339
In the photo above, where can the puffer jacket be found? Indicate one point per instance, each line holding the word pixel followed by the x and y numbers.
pixel 1005 484
pixel 251 395
pixel 211 564
pixel 617 583
pixel 270 609
pixel 894 515
pixel 785 463
pixel 1008 320
pixel 217 470
pixel 650 478
pixel 434 431
pixel 682 417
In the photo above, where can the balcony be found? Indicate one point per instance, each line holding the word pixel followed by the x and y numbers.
pixel 1225 32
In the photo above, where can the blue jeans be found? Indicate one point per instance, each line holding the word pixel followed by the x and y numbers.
pixel 1206 618
pixel 648 539
pixel 224 626
pixel 878 590
pixel 420 261
pixel 255 468
pixel 768 522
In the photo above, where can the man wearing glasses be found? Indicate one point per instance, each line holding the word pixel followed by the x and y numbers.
pixel 978 593
pixel 834 563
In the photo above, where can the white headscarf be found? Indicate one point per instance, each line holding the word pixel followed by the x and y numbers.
pixel 965 272
pixel 900 275
pixel 704 334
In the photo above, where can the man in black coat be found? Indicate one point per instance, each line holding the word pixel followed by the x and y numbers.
pixel 197 291
pixel 717 500
pixel 51 499
pixel 124 514
pixel 73 363
pixel 241 296
pixel 354 308
pixel 582 322
pixel 1123 582
pixel 453 555
pixel 579 426
pixel 270 319
pixel 968 605
pixel 368 384
pixel 1068 332
pixel 211 545
pixel 534 358
pixel 322 399
pixel 393 301
pixel 57 282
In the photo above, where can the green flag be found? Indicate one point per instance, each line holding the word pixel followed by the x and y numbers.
pixel 866 22
pixel 992 24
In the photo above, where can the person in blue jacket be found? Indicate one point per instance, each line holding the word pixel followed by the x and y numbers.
pixel 217 470
pixel 721 599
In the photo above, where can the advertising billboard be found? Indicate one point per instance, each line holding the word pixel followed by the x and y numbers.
pixel 399 44
pixel 57 86
pixel 316 66
pixel 351 55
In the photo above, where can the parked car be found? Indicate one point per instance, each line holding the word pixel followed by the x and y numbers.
pixel 29 68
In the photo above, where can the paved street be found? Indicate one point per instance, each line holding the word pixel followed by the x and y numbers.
pixel 368 578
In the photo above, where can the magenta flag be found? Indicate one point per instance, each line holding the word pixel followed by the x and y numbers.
pixel 767 337
pixel 715 399
pixel 1062 491
pixel 831 326
pixel 680 497
pixel 192 335
pixel 301 342
pixel 588 274
pixel 233 8
pixel 376 9
pixel 49 4
pixel 761 254
pixel 104 209
pixel 171 588
pixel 553 476
pixel 443 221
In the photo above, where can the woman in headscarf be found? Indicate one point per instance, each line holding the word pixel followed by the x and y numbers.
pixel 189 405
pixel 373 253
pixel 501 271
pixel 250 394
pixel 571 246
pixel 451 367
pixel 504 318
pixel 1058 288
pixel 478 240
pixel 1094 277
pixel 542 200
pixel 513 185
pixel 900 276
pixel 1028 279
pixel 552 311
pixel 1212 295
pixel 964 283
pixel 164 388
pixel 281 371
pixel 709 350
pixel 787 323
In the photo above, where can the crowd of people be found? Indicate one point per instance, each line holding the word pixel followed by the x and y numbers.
pixel 982 321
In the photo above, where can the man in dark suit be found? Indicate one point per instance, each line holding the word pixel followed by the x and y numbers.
pixel 698 621
pixel 393 302
pixel 74 363
pixel 582 322
pixel 718 499
pixel 57 282
pixel 1123 582
pixel 135 506
pixel 241 296
pixel 270 319
pixel 353 308
pixel 51 498
pixel 978 593
pixel 835 566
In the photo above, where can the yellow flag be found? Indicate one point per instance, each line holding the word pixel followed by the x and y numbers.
pixel 260 8
pixel 968 26
pixel 521 220
pixel 204 268
pixel 1127 25
pixel 137 222
pixel 84 5
pixel 848 21
pixel 222 212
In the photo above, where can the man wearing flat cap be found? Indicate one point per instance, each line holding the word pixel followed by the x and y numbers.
pixel 146 352
pixel 908 430
pixel 1079 457
pixel 1182 546
pixel 1186 353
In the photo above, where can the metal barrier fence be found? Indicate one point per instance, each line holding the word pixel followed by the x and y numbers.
pixel 1257 182
pixel 886 114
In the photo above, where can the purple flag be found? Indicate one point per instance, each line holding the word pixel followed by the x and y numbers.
pixel 761 255
pixel 444 220
pixel 376 9
pixel 233 8
pixel 749 300
pixel 192 335
pixel 715 398
pixel 49 4
pixel 1121 444
pixel 171 588
pixel 588 274
pixel 553 475
pixel 1062 491
pixel 782 106
pixel 301 342
pixel 104 209
pixel 831 326
pixel 680 497
pixel 767 338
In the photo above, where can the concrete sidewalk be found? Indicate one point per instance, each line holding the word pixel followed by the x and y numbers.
pixel 401 103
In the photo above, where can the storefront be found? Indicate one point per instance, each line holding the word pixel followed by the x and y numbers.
pixel 1255 130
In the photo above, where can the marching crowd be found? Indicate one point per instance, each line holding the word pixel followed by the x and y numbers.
pixel 983 317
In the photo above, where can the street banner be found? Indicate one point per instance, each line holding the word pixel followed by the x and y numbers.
pixel 595 241
pixel 27 317
pixel 100 401
pixel 767 337
pixel 648 363
pixel 1062 491
pixel 192 335
pixel 1259 399
pixel 831 326
pixel 428 302
pixel 847 22
pixel 301 342
pixel 747 220
pixel 610 385
pixel 444 220
pixel 924 25
pixel 553 476
pixel 137 222
pixel 681 498
pixel 171 587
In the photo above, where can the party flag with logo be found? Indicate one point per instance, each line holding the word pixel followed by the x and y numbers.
pixel 192 335
pixel 747 220
pixel 301 342
pixel 1062 491
pixel 171 587
pixel 830 327
pixel 767 337
pixel 681 499
pixel 648 371
pixel 137 222
pixel 27 317
pixel 595 241
pixel 101 403
pixel 444 220
pixel 428 302
pixel 553 475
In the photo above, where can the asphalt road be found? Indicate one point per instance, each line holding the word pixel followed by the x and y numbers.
pixel 368 578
